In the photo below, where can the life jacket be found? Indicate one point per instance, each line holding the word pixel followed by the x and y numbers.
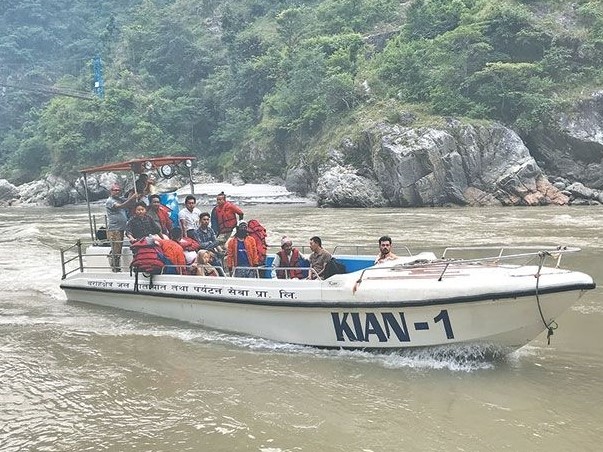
pixel 147 258
pixel 189 244
pixel 250 247
pixel 285 262
pixel 165 222
pixel 258 232
pixel 224 218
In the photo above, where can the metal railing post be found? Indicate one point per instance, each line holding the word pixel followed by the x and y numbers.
pixel 79 253
pixel 63 263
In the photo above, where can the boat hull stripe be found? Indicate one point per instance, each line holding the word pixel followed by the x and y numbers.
pixel 342 304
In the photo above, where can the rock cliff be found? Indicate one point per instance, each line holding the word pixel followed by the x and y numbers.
pixel 432 166
pixel 560 162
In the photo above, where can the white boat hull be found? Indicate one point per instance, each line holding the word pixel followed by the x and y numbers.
pixel 338 313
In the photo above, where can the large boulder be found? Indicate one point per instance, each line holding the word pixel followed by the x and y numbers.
pixel 342 186
pixel 298 180
pixel 8 193
pixel 52 191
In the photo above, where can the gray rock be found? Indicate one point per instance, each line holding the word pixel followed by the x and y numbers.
pixel 459 164
pixel 236 180
pixel 8 192
pixel 52 191
pixel 98 186
pixel 578 190
pixel 573 145
pixel 584 202
pixel 343 187
pixel 298 181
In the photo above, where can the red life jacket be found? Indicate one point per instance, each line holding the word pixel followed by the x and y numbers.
pixel 189 244
pixel 165 222
pixel 258 232
pixel 285 262
pixel 146 258
pixel 226 217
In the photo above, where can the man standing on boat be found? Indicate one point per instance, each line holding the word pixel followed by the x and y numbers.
pixel 318 259
pixel 117 218
pixel 224 217
pixel 385 250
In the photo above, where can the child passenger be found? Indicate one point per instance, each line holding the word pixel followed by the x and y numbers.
pixel 203 266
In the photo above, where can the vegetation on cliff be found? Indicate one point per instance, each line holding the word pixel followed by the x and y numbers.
pixel 269 79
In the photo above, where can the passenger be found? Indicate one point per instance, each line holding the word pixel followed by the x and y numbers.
pixel 318 259
pixel 203 266
pixel 160 214
pixel 224 218
pixel 288 256
pixel 189 218
pixel 142 186
pixel 190 246
pixel 172 250
pixel 151 188
pixel 207 236
pixel 117 219
pixel 141 225
pixel 385 250
pixel 241 251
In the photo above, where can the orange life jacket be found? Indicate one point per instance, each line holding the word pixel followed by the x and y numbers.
pixel 226 217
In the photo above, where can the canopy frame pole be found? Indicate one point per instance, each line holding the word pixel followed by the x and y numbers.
pixel 89 209
pixel 190 179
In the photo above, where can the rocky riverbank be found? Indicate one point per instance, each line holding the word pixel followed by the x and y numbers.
pixel 57 192
pixel 407 165
pixel 462 163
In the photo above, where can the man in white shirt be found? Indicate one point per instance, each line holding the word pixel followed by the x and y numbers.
pixel 189 218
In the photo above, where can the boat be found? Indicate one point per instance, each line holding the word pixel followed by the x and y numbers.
pixel 492 296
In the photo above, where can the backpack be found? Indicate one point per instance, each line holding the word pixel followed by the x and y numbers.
pixel 258 232
pixel 333 267
pixel 147 258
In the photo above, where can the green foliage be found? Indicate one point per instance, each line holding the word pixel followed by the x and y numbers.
pixel 345 16
pixel 426 19
pixel 216 78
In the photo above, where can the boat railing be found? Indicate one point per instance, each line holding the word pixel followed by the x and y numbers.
pixel 541 255
pixel 360 250
pixel 66 260
pixel 76 258
pixel 499 252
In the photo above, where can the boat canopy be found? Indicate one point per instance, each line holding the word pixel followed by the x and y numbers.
pixel 140 165
pixel 166 167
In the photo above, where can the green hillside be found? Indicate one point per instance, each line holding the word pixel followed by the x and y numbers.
pixel 274 79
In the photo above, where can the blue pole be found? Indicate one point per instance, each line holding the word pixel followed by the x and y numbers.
pixel 99 84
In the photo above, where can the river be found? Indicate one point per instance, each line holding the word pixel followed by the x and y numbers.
pixel 76 377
